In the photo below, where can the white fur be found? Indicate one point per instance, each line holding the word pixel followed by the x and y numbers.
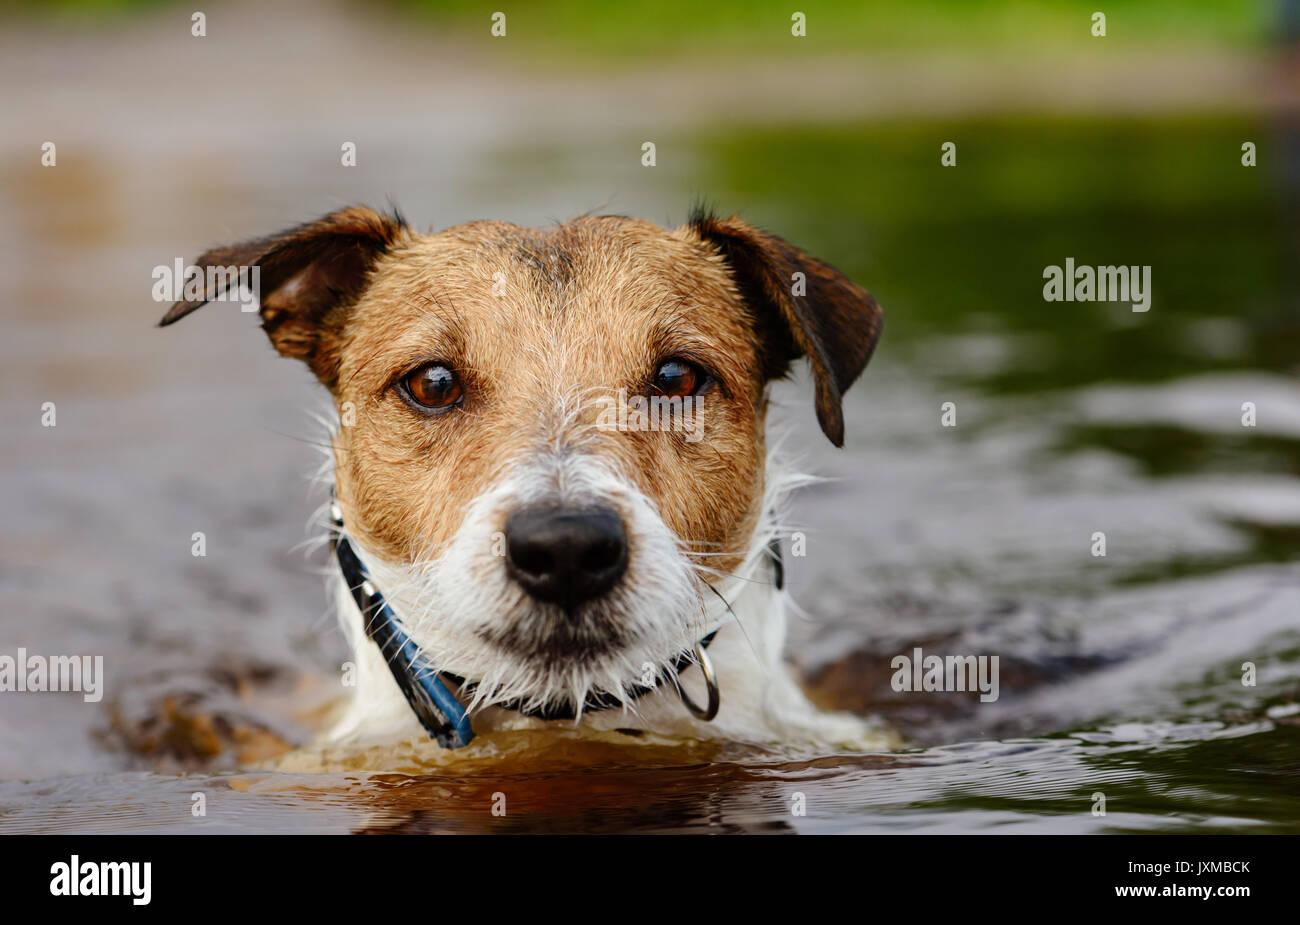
pixel 662 602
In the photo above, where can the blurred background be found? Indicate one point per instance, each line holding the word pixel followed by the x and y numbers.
pixel 1119 674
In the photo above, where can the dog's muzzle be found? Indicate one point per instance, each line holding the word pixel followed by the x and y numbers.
pixel 427 691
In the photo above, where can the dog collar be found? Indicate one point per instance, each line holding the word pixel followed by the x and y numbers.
pixel 439 711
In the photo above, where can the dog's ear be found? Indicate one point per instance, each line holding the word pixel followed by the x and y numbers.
pixel 309 277
pixel 820 313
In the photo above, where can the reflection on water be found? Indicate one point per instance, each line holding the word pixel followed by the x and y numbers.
pixel 1194 777
pixel 1120 675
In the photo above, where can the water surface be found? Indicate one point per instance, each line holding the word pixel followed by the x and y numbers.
pixel 1121 675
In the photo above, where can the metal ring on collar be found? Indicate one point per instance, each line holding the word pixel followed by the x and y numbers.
pixel 711 679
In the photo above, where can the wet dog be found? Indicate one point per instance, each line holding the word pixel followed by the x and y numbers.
pixel 553 484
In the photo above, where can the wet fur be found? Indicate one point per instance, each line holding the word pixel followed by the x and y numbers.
pixel 539 326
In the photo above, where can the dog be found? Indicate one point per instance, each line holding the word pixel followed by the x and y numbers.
pixel 514 550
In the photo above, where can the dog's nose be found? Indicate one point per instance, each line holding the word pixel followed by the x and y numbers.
pixel 565 555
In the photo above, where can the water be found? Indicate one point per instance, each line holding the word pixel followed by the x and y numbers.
pixel 1120 675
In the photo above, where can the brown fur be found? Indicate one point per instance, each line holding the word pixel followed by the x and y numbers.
pixel 580 311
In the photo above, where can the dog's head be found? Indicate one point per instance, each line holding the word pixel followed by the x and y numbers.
pixel 551 440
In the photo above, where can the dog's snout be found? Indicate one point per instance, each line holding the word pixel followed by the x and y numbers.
pixel 565 555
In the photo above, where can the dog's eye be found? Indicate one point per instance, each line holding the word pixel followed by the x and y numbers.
pixel 677 378
pixel 433 386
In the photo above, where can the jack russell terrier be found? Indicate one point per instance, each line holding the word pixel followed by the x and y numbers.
pixel 553 499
